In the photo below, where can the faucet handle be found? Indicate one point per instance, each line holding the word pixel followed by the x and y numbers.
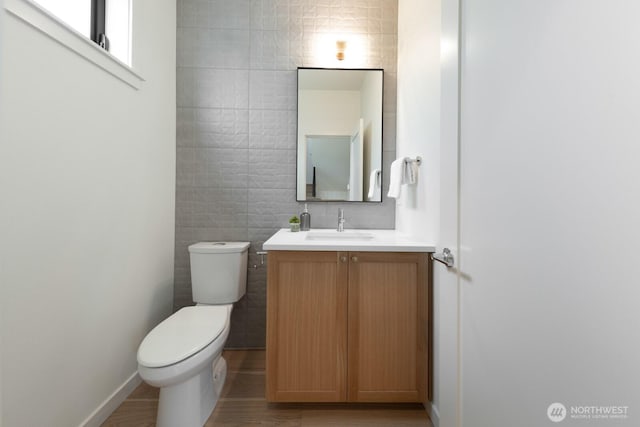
pixel 340 219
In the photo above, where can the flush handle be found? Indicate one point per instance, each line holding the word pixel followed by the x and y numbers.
pixel 262 254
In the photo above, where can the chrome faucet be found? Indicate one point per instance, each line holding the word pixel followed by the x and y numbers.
pixel 340 219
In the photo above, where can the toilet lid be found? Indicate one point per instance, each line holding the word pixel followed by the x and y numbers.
pixel 184 333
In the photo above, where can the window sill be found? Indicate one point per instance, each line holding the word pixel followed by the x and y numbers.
pixel 41 20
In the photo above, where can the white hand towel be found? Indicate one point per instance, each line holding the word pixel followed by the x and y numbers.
pixel 396 178
pixel 374 184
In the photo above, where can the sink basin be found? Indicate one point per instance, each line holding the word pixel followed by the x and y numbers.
pixel 338 235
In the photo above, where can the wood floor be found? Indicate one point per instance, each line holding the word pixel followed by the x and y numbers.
pixel 243 404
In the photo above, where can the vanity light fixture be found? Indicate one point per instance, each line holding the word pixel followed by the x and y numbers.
pixel 341 46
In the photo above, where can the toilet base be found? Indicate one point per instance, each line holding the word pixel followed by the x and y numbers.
pixel 190 403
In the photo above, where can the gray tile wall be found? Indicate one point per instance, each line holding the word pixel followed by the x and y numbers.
pixel 236 127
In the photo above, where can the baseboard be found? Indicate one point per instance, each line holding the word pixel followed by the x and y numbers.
pixel 107 407
pixel 434 416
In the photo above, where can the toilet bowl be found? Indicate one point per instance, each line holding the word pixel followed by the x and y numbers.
pixel 183 354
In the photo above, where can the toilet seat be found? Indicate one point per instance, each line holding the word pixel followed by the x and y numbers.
pixel 183 334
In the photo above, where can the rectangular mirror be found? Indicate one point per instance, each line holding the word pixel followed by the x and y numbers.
pixel 339 135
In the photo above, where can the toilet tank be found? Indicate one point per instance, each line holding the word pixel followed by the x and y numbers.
pixel 218 271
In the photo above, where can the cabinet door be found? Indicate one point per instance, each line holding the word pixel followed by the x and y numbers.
pixel 387 327
pixel 307 326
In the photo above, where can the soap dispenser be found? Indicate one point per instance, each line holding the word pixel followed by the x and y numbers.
pixel 305 219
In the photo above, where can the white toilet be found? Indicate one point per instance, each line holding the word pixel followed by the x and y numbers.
pixel 182 355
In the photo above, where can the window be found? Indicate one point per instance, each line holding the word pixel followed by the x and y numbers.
pixel 73 31
pixel 106 22
pixel 118 29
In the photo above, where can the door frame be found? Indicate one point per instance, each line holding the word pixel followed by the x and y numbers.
pixel 447 410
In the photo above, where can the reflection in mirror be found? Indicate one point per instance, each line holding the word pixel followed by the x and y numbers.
pixel 339 135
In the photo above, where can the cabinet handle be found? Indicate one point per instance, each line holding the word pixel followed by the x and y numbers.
pixel 343 259
pixel 354 258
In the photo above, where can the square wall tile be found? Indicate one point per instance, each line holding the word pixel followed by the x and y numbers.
pixel 272 169
pixel 221 128
pixel 219 88
pixel 275 50
pixel 273 129
pixel 272 90
pixel 212 48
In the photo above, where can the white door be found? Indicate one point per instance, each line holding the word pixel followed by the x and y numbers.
pixel 550 212
pixel 356 163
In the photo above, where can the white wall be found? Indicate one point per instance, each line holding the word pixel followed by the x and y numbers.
pixel 418 132
pixel 87 182
pixel 418 122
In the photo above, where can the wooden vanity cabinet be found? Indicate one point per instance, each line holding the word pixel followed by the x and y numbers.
pixel 347 326
pixel 387 324
pixel 306 327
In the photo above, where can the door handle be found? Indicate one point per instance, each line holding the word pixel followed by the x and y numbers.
pixel 446 257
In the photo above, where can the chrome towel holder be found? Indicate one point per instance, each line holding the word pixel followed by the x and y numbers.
pixel 417 160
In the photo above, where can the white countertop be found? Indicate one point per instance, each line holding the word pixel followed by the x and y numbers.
pixel 350 240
